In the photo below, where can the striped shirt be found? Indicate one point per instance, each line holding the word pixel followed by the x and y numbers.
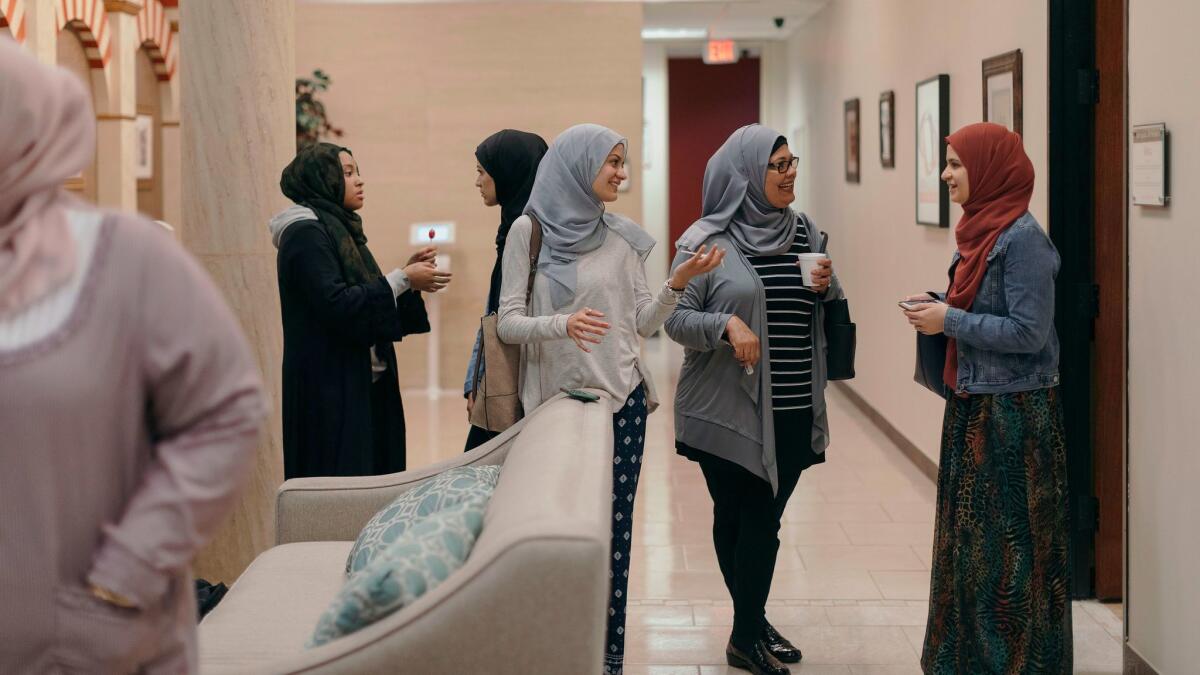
pixel 789 325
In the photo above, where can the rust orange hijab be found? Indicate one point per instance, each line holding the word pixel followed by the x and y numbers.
pixel 1000 179
pixel 48 136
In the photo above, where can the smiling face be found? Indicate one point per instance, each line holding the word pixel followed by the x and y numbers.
pixel 955 176
pixel 353 198
pixel 611 175
pixel 780 187
pixel 486 185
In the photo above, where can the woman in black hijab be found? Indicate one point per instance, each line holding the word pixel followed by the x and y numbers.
pixel 506 164
pixel 342 414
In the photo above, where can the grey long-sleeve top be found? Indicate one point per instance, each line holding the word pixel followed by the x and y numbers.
pixel 612 279
pixel 719 409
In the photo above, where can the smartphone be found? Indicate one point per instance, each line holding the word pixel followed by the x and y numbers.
pixel 910 305
pixel 580 395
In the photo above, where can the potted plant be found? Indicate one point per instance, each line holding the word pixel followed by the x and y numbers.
pixel 311 120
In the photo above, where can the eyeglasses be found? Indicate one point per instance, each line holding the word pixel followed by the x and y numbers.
pixel 783 165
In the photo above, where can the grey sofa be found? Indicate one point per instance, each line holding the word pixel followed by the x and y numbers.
pixel 531 598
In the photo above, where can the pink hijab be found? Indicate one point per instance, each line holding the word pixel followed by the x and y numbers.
pixel 48 136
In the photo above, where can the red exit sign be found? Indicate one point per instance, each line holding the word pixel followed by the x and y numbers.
pixel 721 51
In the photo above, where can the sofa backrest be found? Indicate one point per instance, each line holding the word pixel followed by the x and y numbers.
pixel 532 596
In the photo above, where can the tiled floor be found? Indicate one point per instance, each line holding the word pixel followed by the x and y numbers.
pixel 852 582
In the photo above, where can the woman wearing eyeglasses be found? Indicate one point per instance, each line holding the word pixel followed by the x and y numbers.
pixel 753 372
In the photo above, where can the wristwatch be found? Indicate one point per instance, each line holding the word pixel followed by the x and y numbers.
pixel 111 597
pixel 673 292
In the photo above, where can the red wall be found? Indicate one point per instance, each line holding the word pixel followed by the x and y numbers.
pixel 706 103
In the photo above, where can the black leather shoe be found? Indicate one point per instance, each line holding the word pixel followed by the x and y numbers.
pixel 779 646
pixel 758 661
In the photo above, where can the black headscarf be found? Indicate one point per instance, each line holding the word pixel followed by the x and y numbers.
pixel 511 158
pixel 315 179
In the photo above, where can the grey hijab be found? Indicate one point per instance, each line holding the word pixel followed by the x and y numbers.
pixel 572 217
pixel 735 200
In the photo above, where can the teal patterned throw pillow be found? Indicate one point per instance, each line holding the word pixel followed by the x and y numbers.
pixel 460 484
pixel 416 563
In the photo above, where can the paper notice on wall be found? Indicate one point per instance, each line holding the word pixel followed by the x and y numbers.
pixel 1148 165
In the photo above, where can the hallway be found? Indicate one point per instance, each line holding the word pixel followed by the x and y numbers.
pixel 852 581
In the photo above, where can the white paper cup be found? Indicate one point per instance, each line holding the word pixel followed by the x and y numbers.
pixel 808 263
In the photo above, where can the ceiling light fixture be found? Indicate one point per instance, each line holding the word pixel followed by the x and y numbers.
pixel 674 34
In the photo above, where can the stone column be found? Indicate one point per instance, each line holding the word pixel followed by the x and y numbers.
pixel 172 159
pixel 116 183
pixel 238 132
pixel 41 30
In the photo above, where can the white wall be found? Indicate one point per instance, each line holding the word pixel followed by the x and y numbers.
pixel 1163 608
pixel 861 48
pixel 655 159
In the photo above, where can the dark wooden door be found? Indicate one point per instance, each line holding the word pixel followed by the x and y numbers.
pixel 1087 221
pixel 1070 186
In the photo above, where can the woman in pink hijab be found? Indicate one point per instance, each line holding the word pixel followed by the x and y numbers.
pixel 129 406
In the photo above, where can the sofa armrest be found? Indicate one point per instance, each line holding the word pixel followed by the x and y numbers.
pixel 337 508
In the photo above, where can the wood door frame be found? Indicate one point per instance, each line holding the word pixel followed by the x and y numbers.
pixel 1110 346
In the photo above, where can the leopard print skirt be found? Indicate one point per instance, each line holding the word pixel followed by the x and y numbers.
pixel 999 599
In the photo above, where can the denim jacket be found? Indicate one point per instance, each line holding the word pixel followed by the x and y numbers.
pixel 1006 341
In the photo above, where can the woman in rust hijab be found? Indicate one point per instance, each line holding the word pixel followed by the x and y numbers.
pixel 999 596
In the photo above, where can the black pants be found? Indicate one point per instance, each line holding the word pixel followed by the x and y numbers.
pixel 478 436
pixel 746 520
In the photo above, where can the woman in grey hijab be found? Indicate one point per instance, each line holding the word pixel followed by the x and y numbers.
pixel 588 310
pixel 731 406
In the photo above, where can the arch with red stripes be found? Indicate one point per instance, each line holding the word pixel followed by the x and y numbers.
pixel 12 18
pixel 155 36
pixel 89 21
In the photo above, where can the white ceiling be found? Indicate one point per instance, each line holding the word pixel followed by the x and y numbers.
pixel 731 19
pixel 751 20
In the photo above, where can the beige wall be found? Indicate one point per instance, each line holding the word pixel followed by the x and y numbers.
pixel 1164 462
pixel 861 48
pixel 417 87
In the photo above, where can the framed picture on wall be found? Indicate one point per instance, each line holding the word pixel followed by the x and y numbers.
pixel 933 125
pixel 1002 90
pixel 851 110
pixel 143 147
pixel 887 129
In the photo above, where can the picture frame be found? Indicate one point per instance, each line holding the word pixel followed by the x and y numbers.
pixel 143 147
pixel 852 145
pixel 887 129
pixel 1002 90
pixel 932 126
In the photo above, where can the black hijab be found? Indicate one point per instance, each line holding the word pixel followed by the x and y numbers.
pixel 315 179
pixel 511 158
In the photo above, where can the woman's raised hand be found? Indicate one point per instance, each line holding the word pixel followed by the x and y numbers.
pixel 705 260
pixel 586 326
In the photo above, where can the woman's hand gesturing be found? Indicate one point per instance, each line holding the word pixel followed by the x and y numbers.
pixel 586 326
pixel 705 260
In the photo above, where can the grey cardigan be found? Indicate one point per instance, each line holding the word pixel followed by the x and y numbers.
pixel 719 409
